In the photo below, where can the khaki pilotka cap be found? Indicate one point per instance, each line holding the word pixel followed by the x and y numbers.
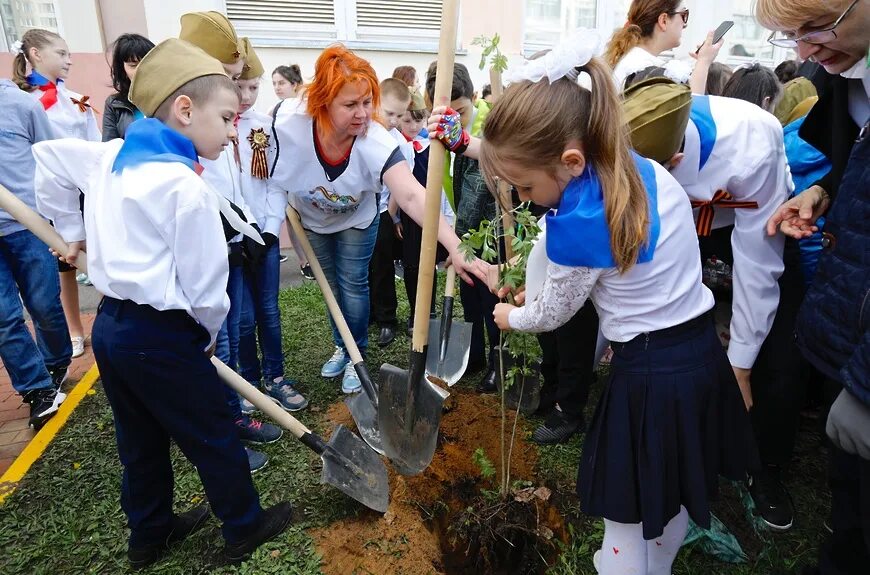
pixel 253 67
pixel 212 32
pixel 166 68
pixel 417 103
pixel 656 113
pixel 794 93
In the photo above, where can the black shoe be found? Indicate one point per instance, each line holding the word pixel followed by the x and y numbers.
pixel 557 428
pixel 388 334
pixel 306 272
pixel 273 521
pixel 283 258
pixel 772 501
pixel 58 376
pixel 43 405
pixel 183 526
pixel 488 383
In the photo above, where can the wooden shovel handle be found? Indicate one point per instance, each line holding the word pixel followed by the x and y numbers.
pixel 349 342
pixel 450 284
pixel 435 178
pixel 259 399
pixel 28 218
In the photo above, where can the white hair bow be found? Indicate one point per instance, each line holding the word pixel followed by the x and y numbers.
pixel 678 71
pixel 574 51
pixel 18 47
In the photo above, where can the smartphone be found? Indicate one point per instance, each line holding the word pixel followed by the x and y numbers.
pixel 719 32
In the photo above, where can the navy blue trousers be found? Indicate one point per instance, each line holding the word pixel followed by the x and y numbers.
pixel 161 386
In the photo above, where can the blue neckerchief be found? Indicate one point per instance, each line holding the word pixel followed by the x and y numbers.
pixel 138 115
pixel 703 119
pixel 150 140
pixel 37 79
pixel 577 235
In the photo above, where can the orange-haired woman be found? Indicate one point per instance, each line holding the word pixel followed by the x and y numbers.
pixel 333 161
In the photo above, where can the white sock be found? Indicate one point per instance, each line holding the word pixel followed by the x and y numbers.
pixel 661 551
pixel 624 550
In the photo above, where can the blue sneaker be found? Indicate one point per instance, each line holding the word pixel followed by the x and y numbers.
pixel 336 364
pixel 247 407
pixel 283 393
pixel 253 431
pixel 256 460
pixel 350 383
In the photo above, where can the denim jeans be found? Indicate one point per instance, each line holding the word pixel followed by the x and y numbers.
pixel 227 344
pixel 261 320
pixel 28 270
pixel 344 257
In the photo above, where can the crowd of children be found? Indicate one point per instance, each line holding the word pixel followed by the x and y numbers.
pixel 660 188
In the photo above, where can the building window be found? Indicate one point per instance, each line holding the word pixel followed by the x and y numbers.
pixel 19 16
pixel 546 21
pixel 384 24
pixel 748 39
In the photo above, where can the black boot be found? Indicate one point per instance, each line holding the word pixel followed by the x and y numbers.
pixel 558 428
pixel 183 526
pixel 273 522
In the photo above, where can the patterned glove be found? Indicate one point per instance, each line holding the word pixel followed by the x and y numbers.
pixel 450 132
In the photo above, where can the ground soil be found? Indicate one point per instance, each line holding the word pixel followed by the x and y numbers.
pixel 412 537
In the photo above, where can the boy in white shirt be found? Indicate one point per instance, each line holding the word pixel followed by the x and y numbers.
pixel 163 275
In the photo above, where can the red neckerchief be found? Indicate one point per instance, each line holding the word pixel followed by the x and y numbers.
pixel 49 95
pixel 418 146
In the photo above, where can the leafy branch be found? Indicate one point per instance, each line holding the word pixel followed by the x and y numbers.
pixel 491 51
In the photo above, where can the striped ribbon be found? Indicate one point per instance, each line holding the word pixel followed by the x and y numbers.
pixel 720 199
pixel 259 142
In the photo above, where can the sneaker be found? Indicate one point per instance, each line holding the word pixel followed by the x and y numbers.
pixel 256 460
pixel 335 364
pixel 306 272
pixel 283 393
pixel 557 428
pixel 772 501
pixel 254 431
pixel 78 345
pixel 44 403
pixel 58 376
pixel 183 526
pixel 246 406
pixel 399 269
pixel 83 279
pixel 283 258
pixel 273 521
pixel 350 383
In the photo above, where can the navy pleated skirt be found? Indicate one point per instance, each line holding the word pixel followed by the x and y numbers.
pixel 670 421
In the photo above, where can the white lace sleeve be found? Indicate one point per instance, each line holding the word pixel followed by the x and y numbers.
pixel 565 290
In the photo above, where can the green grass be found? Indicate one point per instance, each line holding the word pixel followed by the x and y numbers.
pixel 65 517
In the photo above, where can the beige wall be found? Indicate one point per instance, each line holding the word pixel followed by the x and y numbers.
pixel 80 25
pixel 122 17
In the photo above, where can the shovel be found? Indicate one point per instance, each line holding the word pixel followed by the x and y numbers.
pixel 448 360
pixel 411 405
pixel 348 464
pixel 363 408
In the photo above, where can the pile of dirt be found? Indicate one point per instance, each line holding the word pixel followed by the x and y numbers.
pixel 412 536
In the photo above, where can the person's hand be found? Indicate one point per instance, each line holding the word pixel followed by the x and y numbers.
pixel 501 313
pixel 433 121
pixel 399 230
pixel 848 425
pixel 447 127
pixel 743 382
pixel 74 249
pixel 797 217
pixel 709 50
pixel 467 270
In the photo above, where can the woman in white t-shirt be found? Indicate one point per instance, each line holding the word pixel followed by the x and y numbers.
pixel 333 161
pixel 653 27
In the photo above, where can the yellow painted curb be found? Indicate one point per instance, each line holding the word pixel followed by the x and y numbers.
pixel 15 473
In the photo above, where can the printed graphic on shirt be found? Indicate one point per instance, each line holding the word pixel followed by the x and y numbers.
pixel 330 202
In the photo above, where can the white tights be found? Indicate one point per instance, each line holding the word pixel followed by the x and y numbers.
pixel 625 551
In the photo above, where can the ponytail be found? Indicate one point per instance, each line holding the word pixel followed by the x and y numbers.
pixel 642 18
pixel 19 72
pixel 531 124
pixel 621 42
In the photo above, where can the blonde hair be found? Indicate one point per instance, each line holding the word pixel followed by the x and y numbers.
pixel 792 14
pixel 533 122
pixel 34 38
pixel 395 88
pixel 642 18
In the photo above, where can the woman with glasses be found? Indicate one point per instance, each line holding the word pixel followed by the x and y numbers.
pixel 653 27
pixel 833 325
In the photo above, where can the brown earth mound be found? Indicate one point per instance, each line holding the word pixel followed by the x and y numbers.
pixel 406 540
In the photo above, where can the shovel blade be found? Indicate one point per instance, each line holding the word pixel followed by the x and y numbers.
pixel 451 367
pixel 365 415
pixel 355 470
pixel 409 418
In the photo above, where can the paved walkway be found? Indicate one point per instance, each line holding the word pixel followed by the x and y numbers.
pixel 14 431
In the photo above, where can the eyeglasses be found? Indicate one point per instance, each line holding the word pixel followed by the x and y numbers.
pixel 684 14
pixel 818 37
